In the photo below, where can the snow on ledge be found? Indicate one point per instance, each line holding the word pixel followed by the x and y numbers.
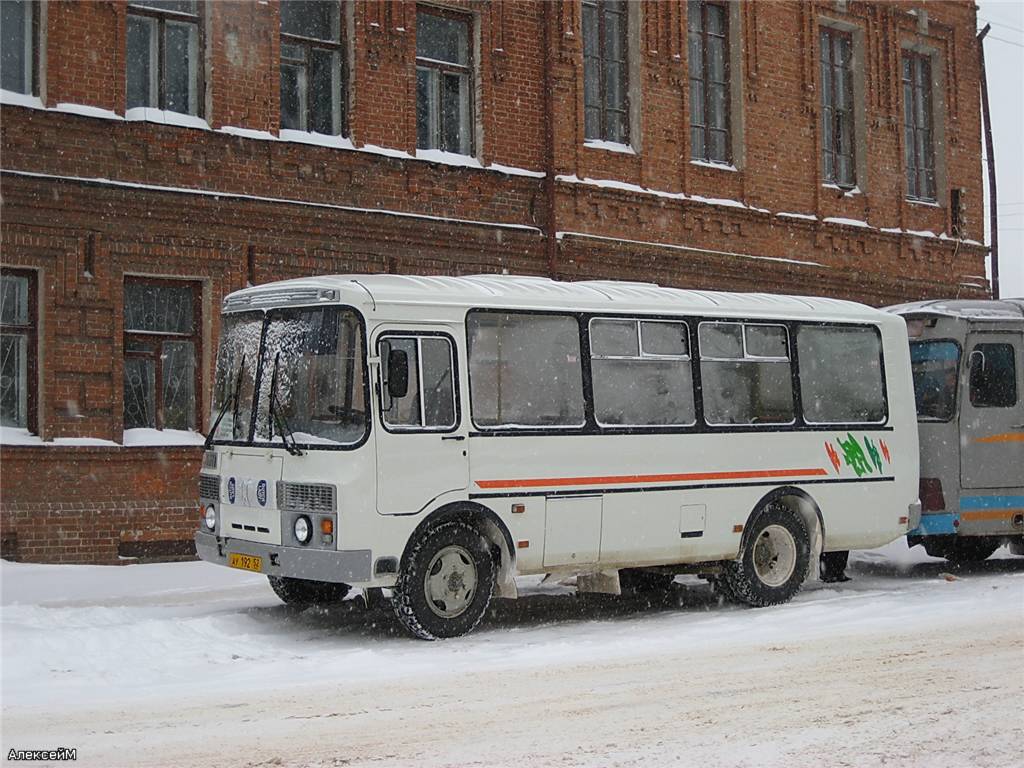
pixel 317 139
pixel 717 166
pixel 804 216
pixel 15 99
pixel 136 437
pixel 87 111
pixel 133 438
pixel 165 117
pixel 247 133
pixel 674 246
pixel 847 222
pixel 609 146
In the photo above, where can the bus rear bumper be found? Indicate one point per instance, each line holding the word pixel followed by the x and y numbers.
pixel 940 524
pixel 341 566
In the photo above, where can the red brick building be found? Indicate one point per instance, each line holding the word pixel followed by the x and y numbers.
pixel 158 155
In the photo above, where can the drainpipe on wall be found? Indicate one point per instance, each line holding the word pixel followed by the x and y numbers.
pixel 993 210
pixel 551 242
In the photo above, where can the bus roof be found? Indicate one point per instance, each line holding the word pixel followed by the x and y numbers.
pixel 992 310
pixel 501 291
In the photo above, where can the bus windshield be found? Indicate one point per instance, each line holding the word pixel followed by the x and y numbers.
pixel 935 365
pixel 312 379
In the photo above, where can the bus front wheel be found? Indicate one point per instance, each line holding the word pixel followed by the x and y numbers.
pixel 302 592
pixel 446 583
pixel 774 560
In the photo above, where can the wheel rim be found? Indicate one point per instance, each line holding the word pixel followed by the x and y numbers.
pixel 451 582
pixel 774 555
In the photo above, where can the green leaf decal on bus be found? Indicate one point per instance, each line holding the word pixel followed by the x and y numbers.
pixel 854 456
pixel 876 458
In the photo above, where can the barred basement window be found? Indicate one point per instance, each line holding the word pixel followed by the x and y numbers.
pixel 161 353
pixel 708 54
pixel 18 340
pixel 837 116
pixel 312 67
pixel 164 60
pixel 605 71
pixel 919 136
pixel 444 82
pixel 19 46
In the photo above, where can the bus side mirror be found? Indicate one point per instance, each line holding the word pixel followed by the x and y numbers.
pixel 398 373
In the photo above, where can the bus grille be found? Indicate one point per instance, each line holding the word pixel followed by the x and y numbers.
pixel 209 487
pixel 306 497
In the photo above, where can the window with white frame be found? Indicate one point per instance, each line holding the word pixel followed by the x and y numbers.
pixel 18 334
pixel 918 130
pixel 641 375
pixel 444 81
pixel 312 67
pixel 164 55
pixel 19 46
pixel 161 353
pixel 745 373
pixel 606 70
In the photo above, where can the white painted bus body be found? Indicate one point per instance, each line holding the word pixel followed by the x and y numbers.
pixel 570 500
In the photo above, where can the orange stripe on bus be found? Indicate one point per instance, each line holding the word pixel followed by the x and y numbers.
pixel 1005 437
pixel 615 479
pixel 995 514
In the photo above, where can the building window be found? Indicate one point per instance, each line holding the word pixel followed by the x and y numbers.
pixel 444 84
pixel 708 53
pixel 163 58
pixel 837 117
pixel 18 333
pixel 917 126
pixel 605 71
pixel 312 67
pixel 161 353
pixel 19 52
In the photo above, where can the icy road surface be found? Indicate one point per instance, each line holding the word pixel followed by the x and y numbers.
pixel 912 663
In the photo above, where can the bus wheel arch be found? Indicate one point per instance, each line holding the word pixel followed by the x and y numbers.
pixel 489 525
pixel 776 551
pixel 803 504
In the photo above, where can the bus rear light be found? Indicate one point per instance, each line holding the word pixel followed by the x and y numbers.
pixel 930 491
pixel 904 520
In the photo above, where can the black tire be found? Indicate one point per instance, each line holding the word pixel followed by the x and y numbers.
pixel 455 547
pixel 637 581
pixel 301 592
pixel 722 589
pixel 773 563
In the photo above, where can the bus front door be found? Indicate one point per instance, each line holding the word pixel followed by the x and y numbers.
pixel 421 435
pixel 992 412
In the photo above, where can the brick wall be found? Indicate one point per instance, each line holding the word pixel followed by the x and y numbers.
pixel 88 201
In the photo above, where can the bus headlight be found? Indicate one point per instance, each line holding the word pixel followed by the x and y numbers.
pixel 302 529
pixel 211 518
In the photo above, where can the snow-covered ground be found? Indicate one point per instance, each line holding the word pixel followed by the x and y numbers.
pixel 912 663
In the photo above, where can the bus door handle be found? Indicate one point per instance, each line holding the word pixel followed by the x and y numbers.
pixel 453 437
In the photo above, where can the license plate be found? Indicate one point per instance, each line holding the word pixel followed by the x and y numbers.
pixel 245 562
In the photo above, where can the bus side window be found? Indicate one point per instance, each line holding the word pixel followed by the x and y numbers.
pixel 745 373
pixel 841 374
pixel 993 381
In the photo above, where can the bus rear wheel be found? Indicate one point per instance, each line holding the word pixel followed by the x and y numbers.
pixel 446 583
pixel 301 592
pixel 773 564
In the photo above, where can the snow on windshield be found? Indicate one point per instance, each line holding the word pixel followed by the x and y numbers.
pixel 313 366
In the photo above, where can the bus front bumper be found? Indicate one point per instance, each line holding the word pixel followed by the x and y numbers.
pixel 341 566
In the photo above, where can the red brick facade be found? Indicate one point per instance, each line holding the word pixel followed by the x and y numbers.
pixel 91 198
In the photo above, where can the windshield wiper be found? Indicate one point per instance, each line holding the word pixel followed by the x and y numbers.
pixel 232 399
pixel 278 418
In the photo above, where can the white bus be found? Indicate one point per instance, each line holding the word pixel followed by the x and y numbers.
pixel 439 435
